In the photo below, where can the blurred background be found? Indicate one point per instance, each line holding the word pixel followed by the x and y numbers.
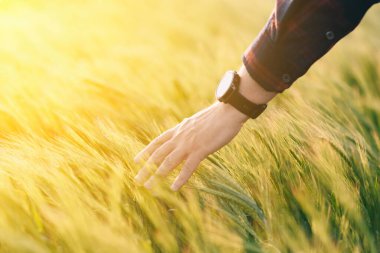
pixel 84 85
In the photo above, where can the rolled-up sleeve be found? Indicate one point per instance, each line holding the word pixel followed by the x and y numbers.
pixel 297 34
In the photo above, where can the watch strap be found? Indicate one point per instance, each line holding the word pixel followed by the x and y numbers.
pixel 245 106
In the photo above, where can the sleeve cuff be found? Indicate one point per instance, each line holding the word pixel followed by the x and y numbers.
pixel 265 64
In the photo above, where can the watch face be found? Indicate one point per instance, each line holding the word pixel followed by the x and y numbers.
pixel 224 84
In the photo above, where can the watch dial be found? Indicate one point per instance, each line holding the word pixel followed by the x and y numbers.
pixel 224 84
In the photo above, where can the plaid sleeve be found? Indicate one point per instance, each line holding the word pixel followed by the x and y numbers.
pixel 296 35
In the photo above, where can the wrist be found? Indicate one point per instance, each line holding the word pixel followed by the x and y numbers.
pixel 251 90
pixel 231 112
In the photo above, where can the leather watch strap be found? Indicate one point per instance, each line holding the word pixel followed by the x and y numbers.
pixel 246 106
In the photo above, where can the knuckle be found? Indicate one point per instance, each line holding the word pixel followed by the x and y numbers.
pixel 201 153
pixel 168 161
pixel 162 171
pixel 183 149
pixel 156 156
pixel 170 143
pixel 183 124
pixel 193 142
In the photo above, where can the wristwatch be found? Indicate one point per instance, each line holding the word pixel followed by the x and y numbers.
pixel 228 92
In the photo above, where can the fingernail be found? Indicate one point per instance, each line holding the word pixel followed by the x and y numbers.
pixel 136 159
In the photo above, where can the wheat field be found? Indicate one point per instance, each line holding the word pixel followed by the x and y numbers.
pixel 85 85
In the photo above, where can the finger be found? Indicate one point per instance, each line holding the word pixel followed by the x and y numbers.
pixel 187 170
pixel 161 153
pixel 144 173
pixel 153 145
pixel 150 182
pixel 154 160
pixel 169 163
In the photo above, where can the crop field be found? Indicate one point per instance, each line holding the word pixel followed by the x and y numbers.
pixel 85 85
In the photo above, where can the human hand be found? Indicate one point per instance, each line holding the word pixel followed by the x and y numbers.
pixel 191 141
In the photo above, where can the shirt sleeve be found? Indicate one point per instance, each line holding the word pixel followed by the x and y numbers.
pixel 296 35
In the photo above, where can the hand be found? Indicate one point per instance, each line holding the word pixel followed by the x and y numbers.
pixel 191 141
